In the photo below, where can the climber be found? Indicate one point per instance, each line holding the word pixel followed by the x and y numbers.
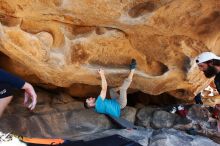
pixel 118 101
pixel 9 81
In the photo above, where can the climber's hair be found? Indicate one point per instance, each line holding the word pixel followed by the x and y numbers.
pixel 85 104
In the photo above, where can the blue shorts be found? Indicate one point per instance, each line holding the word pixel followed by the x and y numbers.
pixel 5 90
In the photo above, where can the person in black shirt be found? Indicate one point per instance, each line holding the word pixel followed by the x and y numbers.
pixel 9 81
pixel 209 63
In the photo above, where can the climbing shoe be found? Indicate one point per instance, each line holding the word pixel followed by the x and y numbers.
pixel 133 64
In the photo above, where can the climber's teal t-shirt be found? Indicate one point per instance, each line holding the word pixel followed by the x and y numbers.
pixel 108 106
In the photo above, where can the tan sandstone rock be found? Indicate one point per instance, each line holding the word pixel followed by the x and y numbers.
pixel 62 43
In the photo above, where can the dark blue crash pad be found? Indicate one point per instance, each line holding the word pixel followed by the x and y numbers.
pixel 113 140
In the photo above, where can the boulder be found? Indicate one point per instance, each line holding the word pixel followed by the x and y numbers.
pixel 162 119
pixel 53 45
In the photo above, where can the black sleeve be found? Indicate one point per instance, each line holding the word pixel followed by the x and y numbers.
pixel 217 83
pixel 10 79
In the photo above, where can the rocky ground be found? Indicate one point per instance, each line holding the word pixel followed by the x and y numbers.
pixel 150 137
